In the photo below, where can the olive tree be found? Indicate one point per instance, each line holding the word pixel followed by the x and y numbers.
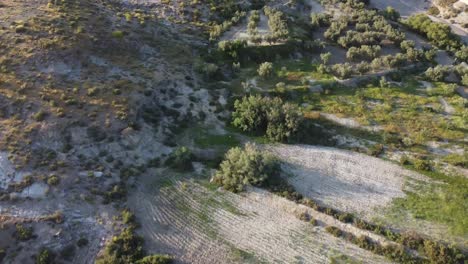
pixel 265 69
pixel 244 166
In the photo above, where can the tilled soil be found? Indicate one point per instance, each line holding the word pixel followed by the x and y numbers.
pixel 198 225
pixel 345 180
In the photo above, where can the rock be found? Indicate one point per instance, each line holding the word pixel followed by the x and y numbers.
pixel 463 91
pixel 316 89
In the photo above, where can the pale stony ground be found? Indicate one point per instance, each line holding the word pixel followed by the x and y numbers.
pixel 345 180
pixel 199 225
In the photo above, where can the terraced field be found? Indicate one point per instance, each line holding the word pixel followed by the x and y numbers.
pixel 199 224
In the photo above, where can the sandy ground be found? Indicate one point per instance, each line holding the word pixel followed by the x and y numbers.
pixel 202 226
pixel 345 180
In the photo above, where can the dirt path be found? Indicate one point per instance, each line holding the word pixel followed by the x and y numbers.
pixel 199 225
pixel 349 122
pixel 448 109
pixel 345 180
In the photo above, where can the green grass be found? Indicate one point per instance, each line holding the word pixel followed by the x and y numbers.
pixel 444 202
pixel 210 140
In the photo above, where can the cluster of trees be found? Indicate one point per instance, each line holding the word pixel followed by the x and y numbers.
pixel 217 30
pixel 272 117
pixel 346 70
pixel 247 166
pixel 412 54
pixel 127 248
pixel 364 52
pixel 320 19
pixel 277 23
pixel 347 3
pixel 462 54
pixel 252 25
pixel 232 47
pixel 370 29
pixel 438 33
pixel 335 29
pixel 439 73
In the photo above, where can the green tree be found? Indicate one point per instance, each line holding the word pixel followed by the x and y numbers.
pixel 265 69
pixel 247 166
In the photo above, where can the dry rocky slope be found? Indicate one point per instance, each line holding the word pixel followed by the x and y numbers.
pixel 93 95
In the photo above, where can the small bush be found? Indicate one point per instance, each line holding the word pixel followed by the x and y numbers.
pixel 439 253
pixel 423 165
pixel 45 257
pixel 180 159
pixel 82 242
pixel 334 231
pixel 23 233
pixel 346 217
pixel 125 248
pixel 156 259
pixel 313 221
pixel 20 29
pixel 40 116
pixel 411 240
pixel 118 34
pixel 127 216
pixel 53 180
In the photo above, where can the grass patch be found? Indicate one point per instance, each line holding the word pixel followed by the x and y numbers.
pixel 445 203
pixel 206 140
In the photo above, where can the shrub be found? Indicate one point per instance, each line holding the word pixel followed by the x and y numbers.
pixel 20 29
pixel 313 221
pixel 265 69
pixel 82 242
pixel 439 253
pixel 155 259
pixel 126 248
pixel 45 257
pixel 127 216
pixel 247 166
pixel 40 116
pixel 118 34
pixel 180 159
pixel 346 217
pixel 423 165
pixel 391 13
pixel 53 180
pixel 335 231
pixel 23 233
pixel 411 240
